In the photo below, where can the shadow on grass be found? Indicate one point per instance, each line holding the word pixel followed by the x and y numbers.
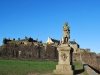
pixel 80 70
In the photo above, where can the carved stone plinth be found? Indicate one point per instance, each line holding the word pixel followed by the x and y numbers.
pixel 64 66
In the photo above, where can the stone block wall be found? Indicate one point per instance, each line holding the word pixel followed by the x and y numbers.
pixel 98 62
pixel 48 53
pixel 33 52
pixel 89 58
pixel 76 57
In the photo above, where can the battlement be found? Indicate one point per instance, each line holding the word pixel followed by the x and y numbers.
pixel 25 41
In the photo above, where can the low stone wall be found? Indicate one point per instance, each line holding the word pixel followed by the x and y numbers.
pixel 88 69
pixel 89 58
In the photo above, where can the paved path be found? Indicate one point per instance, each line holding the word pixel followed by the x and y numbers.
pixel 80 74
pixel 89 70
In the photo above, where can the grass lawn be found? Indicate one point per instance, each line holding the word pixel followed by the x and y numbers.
pixel 79 68
pixel 18 67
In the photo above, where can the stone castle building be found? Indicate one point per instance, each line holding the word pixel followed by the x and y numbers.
pixel 73 44
pixel 33 49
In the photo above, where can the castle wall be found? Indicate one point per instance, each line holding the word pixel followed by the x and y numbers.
pixel 33 52
pixel 48 53
pixel 98 62
pixel 89 58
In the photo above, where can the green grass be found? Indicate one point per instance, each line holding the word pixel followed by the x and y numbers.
pixel 17 67
pixel 78 66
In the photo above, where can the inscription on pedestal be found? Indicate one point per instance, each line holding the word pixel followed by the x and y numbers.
pixel 64 56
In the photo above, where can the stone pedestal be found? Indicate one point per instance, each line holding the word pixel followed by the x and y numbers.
pixel 64 66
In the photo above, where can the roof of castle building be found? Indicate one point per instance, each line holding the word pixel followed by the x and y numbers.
pixel 54 40
pixel 50 40
pixel 73 42
pixel 58 41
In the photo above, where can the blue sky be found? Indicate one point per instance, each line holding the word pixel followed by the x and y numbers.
pixel 43 18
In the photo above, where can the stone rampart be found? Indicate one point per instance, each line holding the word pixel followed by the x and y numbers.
pixel 47 52
pixel 89 58
pixel 33 52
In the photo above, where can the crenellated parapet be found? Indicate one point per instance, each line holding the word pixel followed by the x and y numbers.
pixel 24 41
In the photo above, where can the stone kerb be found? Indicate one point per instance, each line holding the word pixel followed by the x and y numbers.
pixel 89 70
